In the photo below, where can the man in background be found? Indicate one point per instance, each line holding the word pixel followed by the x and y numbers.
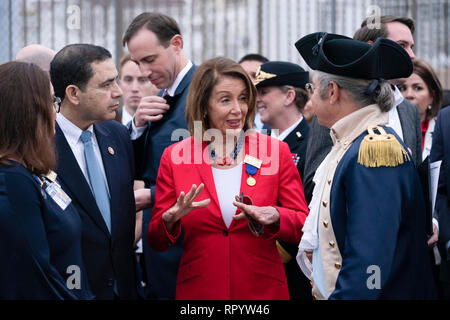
pixel 134 87
pixel 155 43
pixel 37 54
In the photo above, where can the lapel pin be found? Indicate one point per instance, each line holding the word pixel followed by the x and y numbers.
pixel 111 151
pixel 299 135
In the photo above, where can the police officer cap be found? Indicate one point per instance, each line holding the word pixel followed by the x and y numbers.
pixel 340 55
pixel 280 73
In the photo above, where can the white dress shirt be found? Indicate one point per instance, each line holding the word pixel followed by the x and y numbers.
pixel 228 183
pixel 126 116
pixel 394 119
pixel 73 134
pixel 285 133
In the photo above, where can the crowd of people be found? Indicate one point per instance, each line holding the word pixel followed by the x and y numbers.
pixel 248 180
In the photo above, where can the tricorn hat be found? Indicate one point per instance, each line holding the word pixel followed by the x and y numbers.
pixel 280 73
pixel 340 55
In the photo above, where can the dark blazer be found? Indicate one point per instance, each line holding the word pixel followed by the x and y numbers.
pixel 297 141
pixel 40 242
pixel 160 268
pixel 298 284
pixel 440 150
pixel 107 257
pixel 320 143
pixel 377 218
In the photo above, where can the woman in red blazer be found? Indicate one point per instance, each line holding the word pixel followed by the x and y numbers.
pixel 230 249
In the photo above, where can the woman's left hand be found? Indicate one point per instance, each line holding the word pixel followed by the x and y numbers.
pixel 264 215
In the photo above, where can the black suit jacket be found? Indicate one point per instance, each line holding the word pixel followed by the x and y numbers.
pixel 320 143
pixel 107 256
pixel 297 141
pixel 440 150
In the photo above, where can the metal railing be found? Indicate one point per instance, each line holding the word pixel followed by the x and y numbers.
pixel 211 28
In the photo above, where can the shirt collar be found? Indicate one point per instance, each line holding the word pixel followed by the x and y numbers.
pixel 71 131
pixel 286 132
pixel 351 126
pixel 173 88
pixel 397 96
pixel 126 116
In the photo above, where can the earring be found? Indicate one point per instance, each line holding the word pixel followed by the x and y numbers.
pixel 429 107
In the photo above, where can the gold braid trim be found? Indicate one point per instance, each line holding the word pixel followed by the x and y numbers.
pixel 285 256
pixel 381 149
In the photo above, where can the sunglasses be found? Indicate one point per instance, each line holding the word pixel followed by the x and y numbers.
pixel 255 227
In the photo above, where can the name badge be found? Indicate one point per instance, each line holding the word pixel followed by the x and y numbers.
pixel 58 195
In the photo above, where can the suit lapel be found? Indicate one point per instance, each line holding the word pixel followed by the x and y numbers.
pixel 70 174
pixel 293 140
pixel 406 123
pixel 205 171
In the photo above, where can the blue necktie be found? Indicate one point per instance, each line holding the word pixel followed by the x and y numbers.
pixel 98 183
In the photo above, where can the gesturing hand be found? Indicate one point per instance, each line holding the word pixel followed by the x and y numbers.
pixel 150 109
pixel 183 206
pixel 264 215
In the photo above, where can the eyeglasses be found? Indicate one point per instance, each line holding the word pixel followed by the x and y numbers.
pixel 310 88
pixel 56 103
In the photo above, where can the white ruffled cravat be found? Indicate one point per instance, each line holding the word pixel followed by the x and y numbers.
pixel 310 238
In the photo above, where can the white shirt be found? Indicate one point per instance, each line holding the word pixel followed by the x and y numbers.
pixel 228 184
pixel 285 133
pixel 73 134
pixel 137 132
pixel 126 116
pixel 394 119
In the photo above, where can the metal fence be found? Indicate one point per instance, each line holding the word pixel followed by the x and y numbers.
pixel 211 28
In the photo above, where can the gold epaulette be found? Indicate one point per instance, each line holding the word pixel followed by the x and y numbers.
pixel 285 256
pixel 379 149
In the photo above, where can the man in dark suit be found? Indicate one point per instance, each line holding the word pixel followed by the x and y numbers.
pixel 156 45
pixel 281 99
pixel 440 150
pixel 96 166
pixel 404 117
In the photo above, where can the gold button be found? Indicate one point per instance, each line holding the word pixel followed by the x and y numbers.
pixel 324 203
pixel 337 265
pixel 332 244
pixel 325 223
pixel 346 143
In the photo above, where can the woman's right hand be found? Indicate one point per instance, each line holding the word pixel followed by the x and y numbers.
pixel 183 206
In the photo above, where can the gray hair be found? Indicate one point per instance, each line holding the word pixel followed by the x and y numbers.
pixel 357 90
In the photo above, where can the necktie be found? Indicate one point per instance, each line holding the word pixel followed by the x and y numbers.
pixel 98 183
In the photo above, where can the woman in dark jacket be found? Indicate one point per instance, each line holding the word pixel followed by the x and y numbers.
pixel 40 230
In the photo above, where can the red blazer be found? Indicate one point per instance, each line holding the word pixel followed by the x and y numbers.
pixel 223 263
